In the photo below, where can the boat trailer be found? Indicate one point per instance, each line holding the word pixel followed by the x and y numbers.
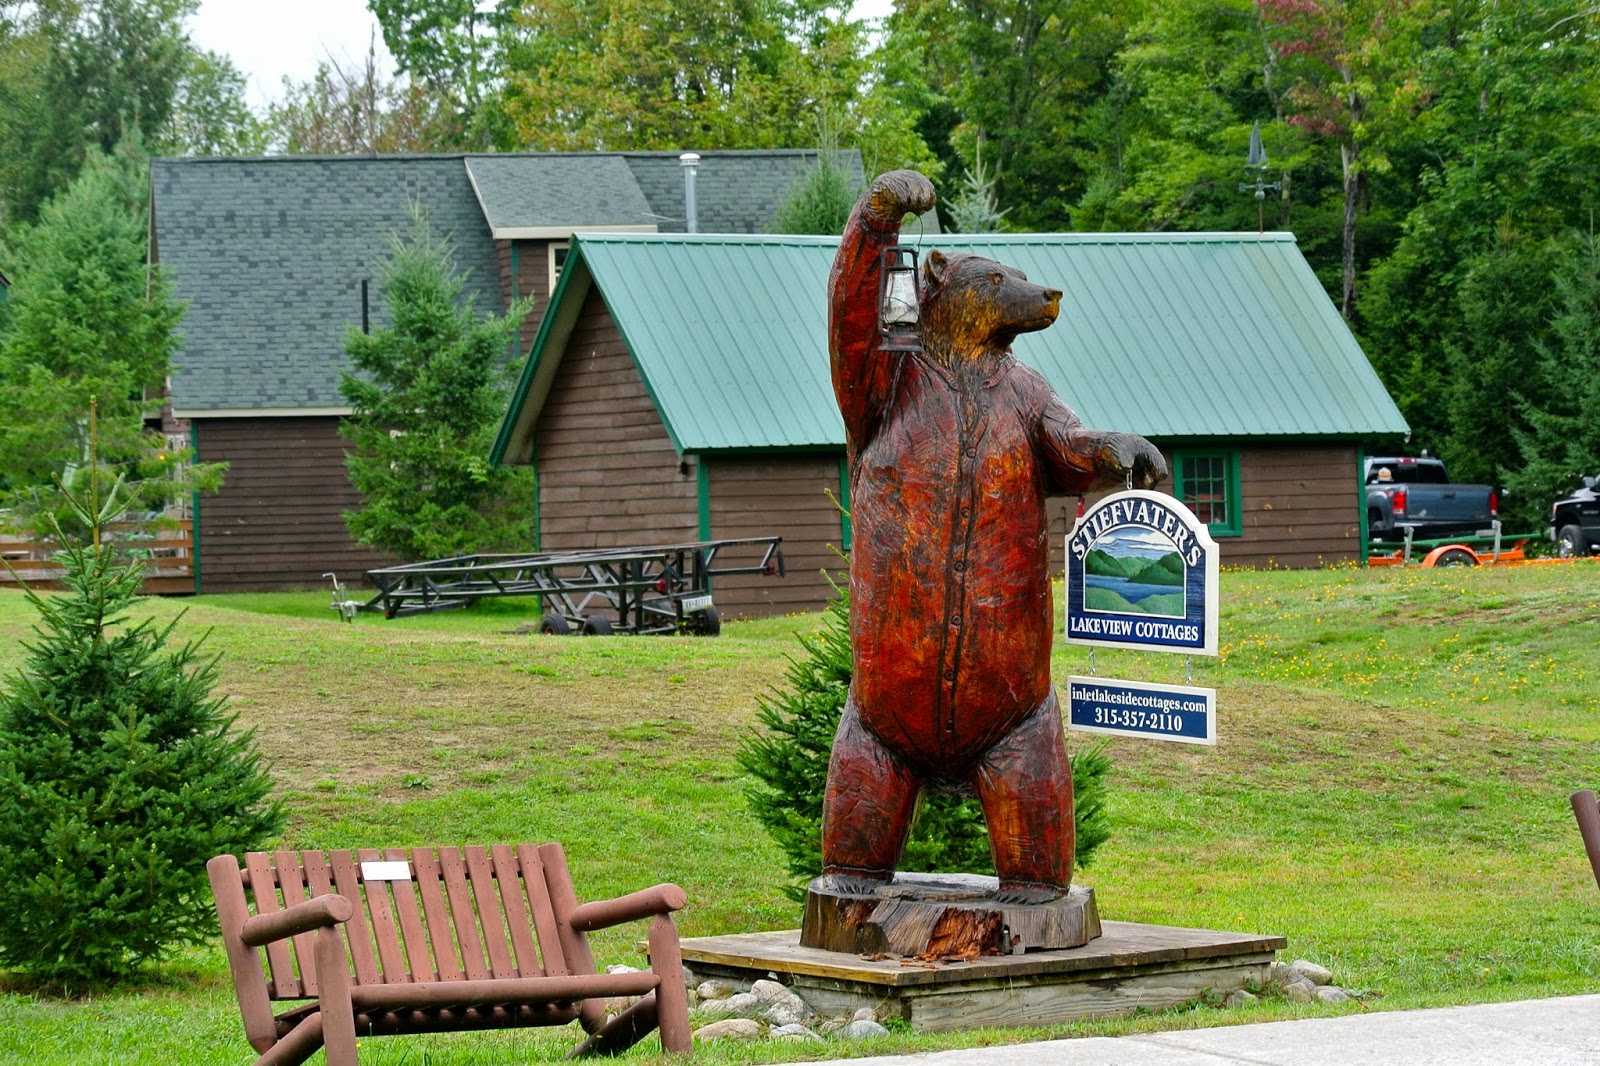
pixel 658 589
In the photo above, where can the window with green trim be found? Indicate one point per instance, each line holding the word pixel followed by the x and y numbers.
pixel 1208 483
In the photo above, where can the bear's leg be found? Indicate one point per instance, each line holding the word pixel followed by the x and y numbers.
pixel 866 812
pixel 1025 785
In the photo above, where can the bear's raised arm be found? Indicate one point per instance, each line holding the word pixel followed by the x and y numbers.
pixel 861 377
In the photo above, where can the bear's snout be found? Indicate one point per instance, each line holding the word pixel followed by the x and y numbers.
pixel 1052 303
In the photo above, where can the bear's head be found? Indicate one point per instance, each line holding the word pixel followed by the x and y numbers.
pixel 974 307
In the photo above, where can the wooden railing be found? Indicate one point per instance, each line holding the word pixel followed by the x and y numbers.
pixel 168 554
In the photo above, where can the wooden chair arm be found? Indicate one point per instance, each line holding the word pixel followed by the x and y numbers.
pixel 604 913
pixel 318 913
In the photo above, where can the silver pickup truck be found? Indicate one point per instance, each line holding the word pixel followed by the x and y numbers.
pixel 1417 492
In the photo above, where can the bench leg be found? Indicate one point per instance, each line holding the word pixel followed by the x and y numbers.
pixel 1587 809
pixel 672 999
pixel 333 987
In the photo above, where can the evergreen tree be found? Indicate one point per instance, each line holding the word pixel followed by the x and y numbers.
pixel 788 763
pixel 90 324
pixel 975 208
pixel 820 201
pixel 120 774
pixel 432 387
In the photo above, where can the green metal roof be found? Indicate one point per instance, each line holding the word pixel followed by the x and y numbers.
pixel 1174 336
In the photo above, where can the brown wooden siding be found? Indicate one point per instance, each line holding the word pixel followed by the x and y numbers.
pixel 1301 507
pixel 782 496
pixel 277 523
pixel 533 279
pixel 608 474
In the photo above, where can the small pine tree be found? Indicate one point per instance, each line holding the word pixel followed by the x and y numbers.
pixel 120 776
pixel 431 390
pixel 788 763
pixel 975 208
pixel 820 201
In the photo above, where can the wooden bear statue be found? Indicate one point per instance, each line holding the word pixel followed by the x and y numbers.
pixel 952 453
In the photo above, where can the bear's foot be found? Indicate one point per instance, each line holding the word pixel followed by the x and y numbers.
pixel 1027 892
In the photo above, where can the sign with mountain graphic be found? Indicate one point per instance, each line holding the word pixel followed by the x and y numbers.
pixel 1142 574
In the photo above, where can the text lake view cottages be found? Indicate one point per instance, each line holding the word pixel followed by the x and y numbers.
pixel 677 386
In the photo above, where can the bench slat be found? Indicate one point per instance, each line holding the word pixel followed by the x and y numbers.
pixel 506 873
pixel 349 886
pixel 405 908
pixel 482 872
pixel 285 985
pixel 461 913
pixel 384 929
pixel 319 882
pixel 544 916
pixel 291 879
pixel 429 881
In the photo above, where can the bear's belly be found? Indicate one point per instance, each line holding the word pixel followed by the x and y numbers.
pixel 950 594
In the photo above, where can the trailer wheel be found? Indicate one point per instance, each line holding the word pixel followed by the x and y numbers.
pixel 554 625
pixel 596 625
pixel 706 623
pixel 1570 543
pixel 1456 557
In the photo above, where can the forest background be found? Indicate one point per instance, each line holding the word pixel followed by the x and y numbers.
pixel 1435 160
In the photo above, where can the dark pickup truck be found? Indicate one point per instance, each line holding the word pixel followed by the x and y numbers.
pixel 1575 521
pixel 1418 493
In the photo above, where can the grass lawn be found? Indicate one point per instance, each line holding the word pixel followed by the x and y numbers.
pixel 1389 790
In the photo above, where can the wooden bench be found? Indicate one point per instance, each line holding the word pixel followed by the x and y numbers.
pixel 1587 810
pixel 434 940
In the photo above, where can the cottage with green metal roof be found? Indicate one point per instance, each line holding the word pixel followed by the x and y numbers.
pixel 679 389
pixel 276 258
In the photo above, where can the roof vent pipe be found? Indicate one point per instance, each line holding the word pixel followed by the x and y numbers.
pixel 691 209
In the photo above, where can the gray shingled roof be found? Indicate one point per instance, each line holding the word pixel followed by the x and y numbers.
pixel 270 255
pixel 522 192
pixel 737 192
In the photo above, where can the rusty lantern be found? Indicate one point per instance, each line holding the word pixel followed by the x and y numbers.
pixel 899 307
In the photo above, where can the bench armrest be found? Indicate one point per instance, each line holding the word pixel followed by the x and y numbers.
pixel 328 910
pixel 604 913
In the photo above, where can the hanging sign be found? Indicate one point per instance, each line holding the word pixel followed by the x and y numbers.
pixel 1142 709
pixel 1142 574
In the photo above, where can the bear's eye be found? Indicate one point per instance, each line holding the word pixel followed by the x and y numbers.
pixel 996 278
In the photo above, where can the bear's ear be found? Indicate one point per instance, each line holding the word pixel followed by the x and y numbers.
pixel 934 269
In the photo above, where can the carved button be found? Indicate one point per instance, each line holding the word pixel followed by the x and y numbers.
pixel 955 620
pixel 972 453
pixel 965 511
pixel 949 675
pixel 960 566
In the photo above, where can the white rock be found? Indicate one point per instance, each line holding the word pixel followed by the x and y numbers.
pixel 793 1032
pixel 789 1011
pixel 862 1029
pixel 1301 992
pixel 623 969
pixel 1317 975
pixel 1332 994
pixel 738 1005
pixel 864 1014
pixel 1279 974
pixel 713 990
pixel 1238 998
pixel 729 1029
pixel 767 991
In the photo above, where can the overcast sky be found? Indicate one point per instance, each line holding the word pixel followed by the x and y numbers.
pixel 286 38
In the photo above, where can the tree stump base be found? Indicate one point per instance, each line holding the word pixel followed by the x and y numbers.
pixel 944 916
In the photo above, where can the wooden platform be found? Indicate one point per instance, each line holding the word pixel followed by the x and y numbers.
pixel 1130 966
